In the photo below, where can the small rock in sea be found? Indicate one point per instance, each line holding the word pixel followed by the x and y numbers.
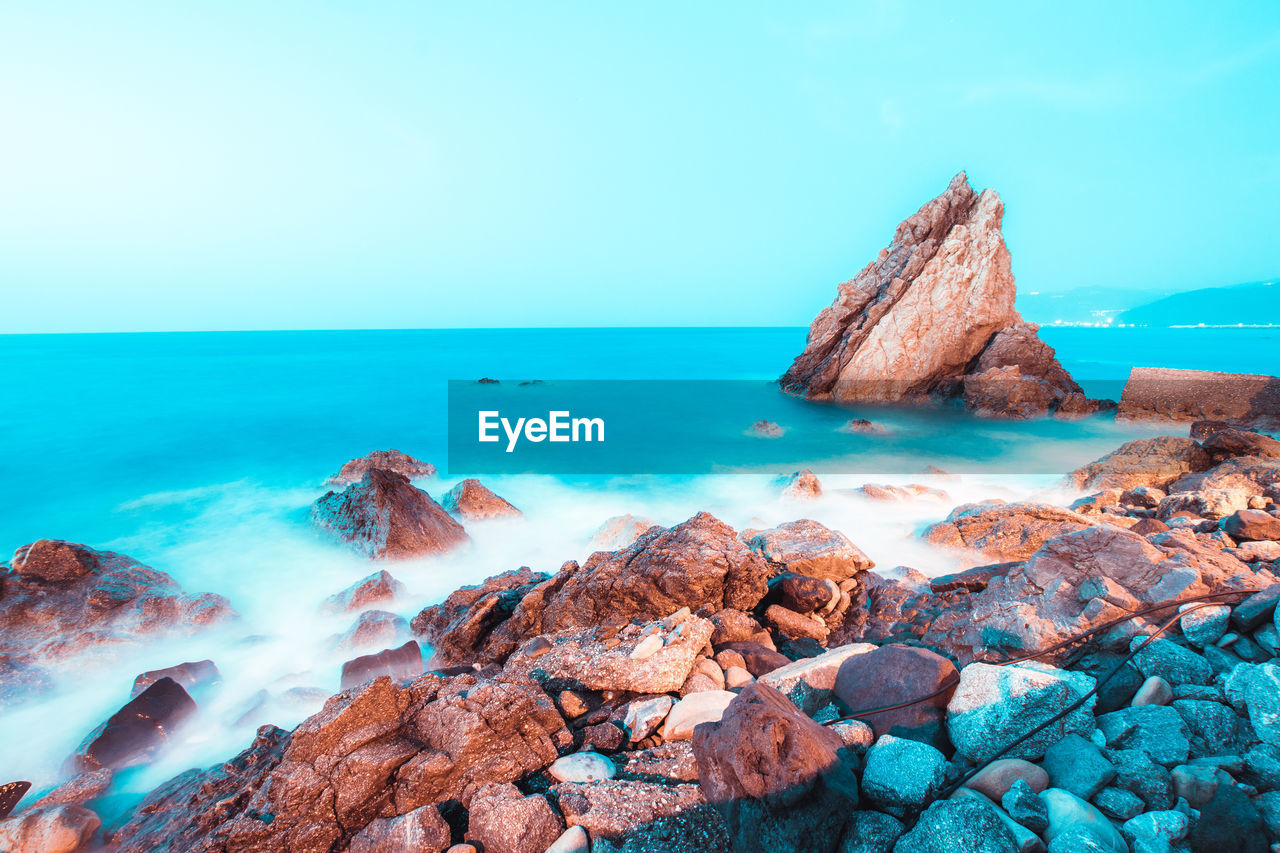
pixel 862 426
pixel 645 715
pixel 384 517
pixel 378 588
pixel 374 629
pixel 963 824
pixel 138 730
pixel 705 707
pixel 1118 804
pixel 800 485
pixel 766 429
pixel 401 664
pixel 389 460
pixel 420 829
pixel 902 776
pixel 619 532
pixel 1154 691
pixel 1068 813
pixel 474 500
pixel 1025 806
pixel 190 675
pixel 572 840
pixel 1077 765
pixel 582 767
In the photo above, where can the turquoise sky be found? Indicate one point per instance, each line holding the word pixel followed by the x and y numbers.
pixel 249 165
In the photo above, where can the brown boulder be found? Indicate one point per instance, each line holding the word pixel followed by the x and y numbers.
pixel 1192 395
pixel 189 675
pixel 1229 442
pixel 383 516
pixel 804 594
pixel 422 830
pixel 473 499
pixel 1251 474
pixel 620 531
pixel 503 820
pixel 459 627
pixel 1004 531
pixel 624 815
pixel 387 460
pixel 806 547
pixel 782 781
pixel 399 664
pixel 49 829
pixel 895 674
pixel 1153 462
pixel 1252 524
pixel 378 588
pixel 137 731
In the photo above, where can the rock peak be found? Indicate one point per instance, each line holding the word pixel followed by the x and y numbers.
pixel 932 317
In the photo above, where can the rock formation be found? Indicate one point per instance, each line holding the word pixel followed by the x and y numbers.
pixel 473 499
pixel 1191 395
pixel 933 317
pixel 384 516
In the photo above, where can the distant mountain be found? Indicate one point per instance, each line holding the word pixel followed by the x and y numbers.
pixel 1256 303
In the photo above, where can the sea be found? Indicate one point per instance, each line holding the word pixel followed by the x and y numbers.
pixel 200 453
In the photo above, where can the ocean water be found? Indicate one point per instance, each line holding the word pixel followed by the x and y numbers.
pixel 199 454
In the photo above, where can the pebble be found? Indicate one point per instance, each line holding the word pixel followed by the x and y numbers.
pixel 705 707
pixel 573 840
pixel 582 767
pixel 647 647
pixel 1154 691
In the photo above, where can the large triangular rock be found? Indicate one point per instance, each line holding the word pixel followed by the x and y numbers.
pixel 384 516
pixel 933 317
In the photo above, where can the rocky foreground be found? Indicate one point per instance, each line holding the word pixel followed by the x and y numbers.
pixel 1104 678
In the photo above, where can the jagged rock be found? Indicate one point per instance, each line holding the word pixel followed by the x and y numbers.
pixel 422 830
pixel 1225 443
pixel 894 674
pixel 378 750
pixel 935 307
pixel 1192 395
pixel 1205 503
pixel 400 664
pixel 620 531
pixel 49 829
pixel 503 820
pixel 902 776
pixel 808 548
pixel 967 825
pixel 384 517
pixel 190 675
pixel 1004 531
pixel 472 499
pixel 387 460
pixel 801 485
pixel 700 564
pixel 1118 804
pixel 378 588
pixel 1154 462
pixel 374 629
pixel 581 659
pixel 1069 813
pixel 1157 730
pixel 138 730
pixel 62 600
pixel 1251 474
pixel 993 706
pixel 458 627
pixel 1077 765
pixel 1025 806
pixel 1252 524
pixel 623 815
pixel 81 788
pixel 780 779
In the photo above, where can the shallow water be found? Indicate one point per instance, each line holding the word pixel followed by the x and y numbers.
pixel 199 454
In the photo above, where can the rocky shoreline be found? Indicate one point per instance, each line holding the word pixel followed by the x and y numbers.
pixel 1103 678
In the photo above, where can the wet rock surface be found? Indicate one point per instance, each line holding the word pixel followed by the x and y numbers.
pixel 384 517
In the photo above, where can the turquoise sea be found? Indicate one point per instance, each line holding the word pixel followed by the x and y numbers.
pixel 200 453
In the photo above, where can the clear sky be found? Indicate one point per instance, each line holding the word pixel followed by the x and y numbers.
pixel 259 165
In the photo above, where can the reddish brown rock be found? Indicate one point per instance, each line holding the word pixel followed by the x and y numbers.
pixel 1004 531
pixel 756 659
pixel 971 580
pixel 387 460
pixel 801 485
pixel 472 499
pixel 1192 395
pixel 781 780
pixel 620 531
pixel 1226 443
pixel 374 629
pixel 624 815
pixel 884 492
pixel 806 547
pixel 460 626
pixel 422 830
pixel 1252 525
pixel 189 675
pixel 49 829
pixel 136 732
pixel 934 315
pixel 11 793
pixel 383 516
pixel 1148 527
pixel 1155 462
pixel 378 588
pixel 503 820
pixel 894 674
pixel 62 601
pixel 400 664
pixel 794 625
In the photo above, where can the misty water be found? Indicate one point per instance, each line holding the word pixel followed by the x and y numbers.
pixel 199 454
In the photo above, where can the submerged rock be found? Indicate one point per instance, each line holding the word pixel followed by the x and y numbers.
pixel 383 516
pixel 378 588
pixel 138 730
pixel 934 315
pixel 387 460
pixel 472 499
pixel 189 675
pixel 801 485
pixel 620 531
